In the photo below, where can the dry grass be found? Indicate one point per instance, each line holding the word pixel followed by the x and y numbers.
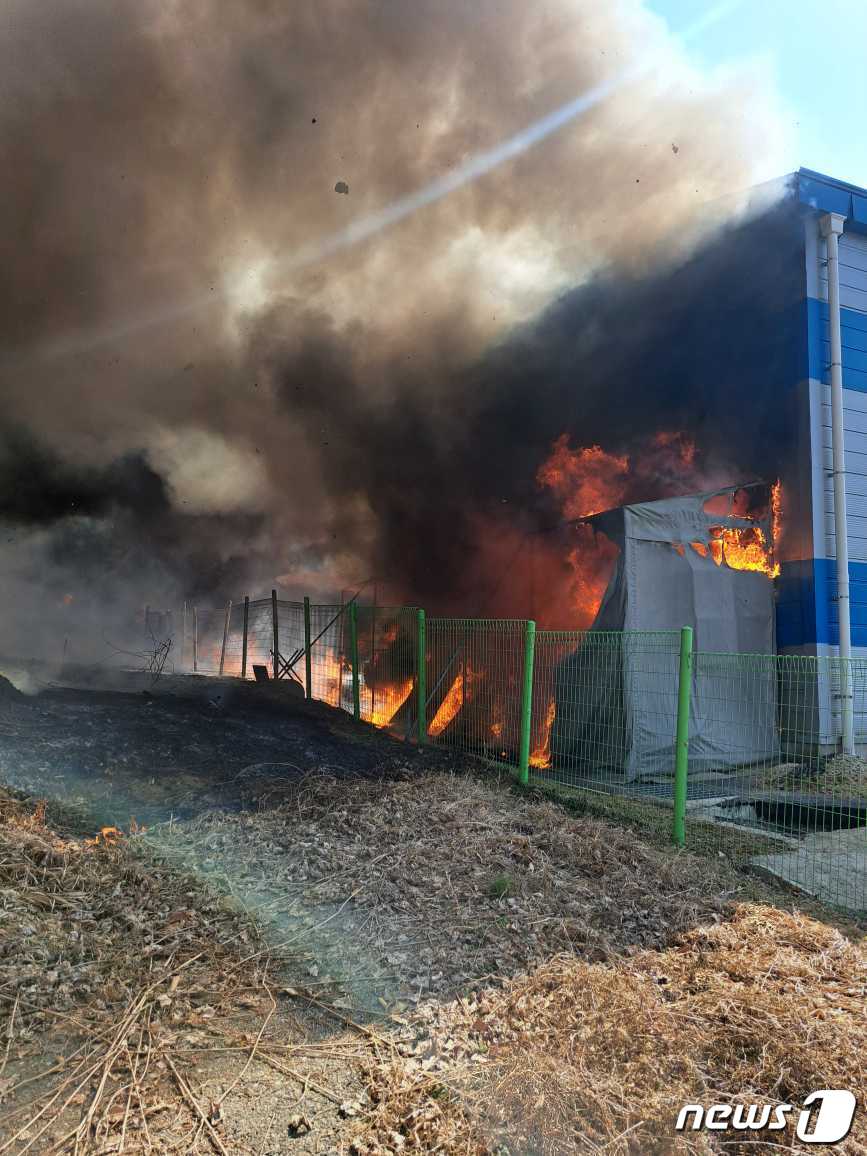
pixel 427 886
pixel 840 775
pixel 565 987
pixel 112 971
pixel 578 1057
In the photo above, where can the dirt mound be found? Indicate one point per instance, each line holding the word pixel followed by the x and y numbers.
pixel 9 692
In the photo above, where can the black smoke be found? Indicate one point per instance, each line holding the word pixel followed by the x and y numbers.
pixel 187 412
pixel 711 347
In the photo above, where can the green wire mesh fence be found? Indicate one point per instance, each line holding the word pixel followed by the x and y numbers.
pixel 597 715
pixel 386 644
pixel 604 706
pixel 474 670
pixel 764 762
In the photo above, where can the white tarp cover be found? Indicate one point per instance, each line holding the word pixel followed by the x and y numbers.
pixel 624 717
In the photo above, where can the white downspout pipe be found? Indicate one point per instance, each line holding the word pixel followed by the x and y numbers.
pixel 832 227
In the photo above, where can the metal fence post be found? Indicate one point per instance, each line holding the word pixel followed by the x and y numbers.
pixel 681 742
pixel 195 639
pixel 245 635
pixel 527 703
pixel 421 678
pixel 275 635
pixel 184 638
pixel 353 658
pixel 225 636
pixel 308 665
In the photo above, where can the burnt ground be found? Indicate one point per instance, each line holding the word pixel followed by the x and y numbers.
pixel 179 745
pixel 299 952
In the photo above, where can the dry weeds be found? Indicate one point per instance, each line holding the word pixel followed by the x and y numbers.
pixel 764 1006
pixel 594 984
pixel 431 884
pixel 117 978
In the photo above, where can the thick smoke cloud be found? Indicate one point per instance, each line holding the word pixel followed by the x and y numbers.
pixel 192 413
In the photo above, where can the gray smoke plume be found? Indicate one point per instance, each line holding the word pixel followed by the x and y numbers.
pixel 209 381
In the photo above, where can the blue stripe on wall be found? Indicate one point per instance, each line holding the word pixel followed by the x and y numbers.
pixel 807 607
pixel 854 335
pixel 796 604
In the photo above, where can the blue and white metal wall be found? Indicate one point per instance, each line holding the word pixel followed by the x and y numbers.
pixel 807 621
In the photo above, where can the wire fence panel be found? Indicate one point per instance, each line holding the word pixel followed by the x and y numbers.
pixel 474 677
pixel 605 709
pixel 260 635
pixel 290 638
pixel 234 643
pixel 765 784
pixel 329 666
pixel 778 776
pixel 208 642
pixel 387 648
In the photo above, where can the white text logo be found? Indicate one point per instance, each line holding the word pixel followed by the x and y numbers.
pixel 825 1117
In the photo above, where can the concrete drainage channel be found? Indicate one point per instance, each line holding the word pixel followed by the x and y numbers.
pixel 814 842
pixel 823 841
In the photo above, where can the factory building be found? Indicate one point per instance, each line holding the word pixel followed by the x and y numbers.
pixel 810 609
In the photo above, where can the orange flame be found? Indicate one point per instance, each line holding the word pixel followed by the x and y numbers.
pixel 541 756
pixel 452 703
pixel 107 836
pixel 586 480
pixel 745 549
pixel 395 697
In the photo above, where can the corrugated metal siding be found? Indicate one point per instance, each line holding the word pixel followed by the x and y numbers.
pixel 853 309
pixel 853 301
pixel 853 272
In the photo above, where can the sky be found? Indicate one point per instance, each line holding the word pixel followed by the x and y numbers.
pixel 819 57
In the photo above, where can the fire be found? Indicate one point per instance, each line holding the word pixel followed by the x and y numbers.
pixel 452 703
pixel 745 549
pixel 586 480
pixel 776 512
pixel 106 836
pixel 541 756
pixel 395 697
pixel 748 548
pixel 591 562
pixel 327 678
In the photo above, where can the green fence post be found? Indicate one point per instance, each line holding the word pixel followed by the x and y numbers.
pixel 308 665
pixel 681 742
pixel 353 658
pixel 421 678
pixel 527 703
